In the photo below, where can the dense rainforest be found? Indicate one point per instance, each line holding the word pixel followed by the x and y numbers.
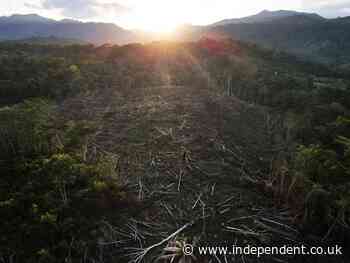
pixel 126 153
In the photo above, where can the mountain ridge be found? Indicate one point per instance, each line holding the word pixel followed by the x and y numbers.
pixel 266 16
pixel 307 35
pixel 17 27
pixel 26 18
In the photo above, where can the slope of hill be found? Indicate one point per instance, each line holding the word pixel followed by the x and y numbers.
pixel 309 36
pixel 51 40
pixel 266 16
pixel 26 26
pixel 23 19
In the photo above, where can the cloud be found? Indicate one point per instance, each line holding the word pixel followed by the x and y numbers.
pixel 32 6
pixel 325 3
pixel 85 9
pixel 329 8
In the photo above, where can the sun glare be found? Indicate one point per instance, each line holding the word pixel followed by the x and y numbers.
pixel 157 24
pixel 164 16
pixel 158 17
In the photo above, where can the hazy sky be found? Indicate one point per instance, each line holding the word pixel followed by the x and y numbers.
pixel 165 14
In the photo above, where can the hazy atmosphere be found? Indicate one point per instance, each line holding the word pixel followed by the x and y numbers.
pixel 164 14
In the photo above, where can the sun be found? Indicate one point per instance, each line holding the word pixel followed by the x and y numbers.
pixel 156 16
pixel 158 24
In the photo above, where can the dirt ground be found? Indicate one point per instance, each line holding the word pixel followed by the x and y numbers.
pixel 190 156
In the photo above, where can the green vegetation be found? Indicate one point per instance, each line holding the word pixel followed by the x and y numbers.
pixel 306 35
pixel 106 151
pixel 48 192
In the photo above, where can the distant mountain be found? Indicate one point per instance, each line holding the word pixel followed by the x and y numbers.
pixel 21 19
pixel 267 16
pixel 307 35
pixel 70 21
pixel 52 40
pixel 18 27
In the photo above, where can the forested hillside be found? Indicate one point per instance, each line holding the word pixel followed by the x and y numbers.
pixel 268 16
pixel 306 35
pixel 127 153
